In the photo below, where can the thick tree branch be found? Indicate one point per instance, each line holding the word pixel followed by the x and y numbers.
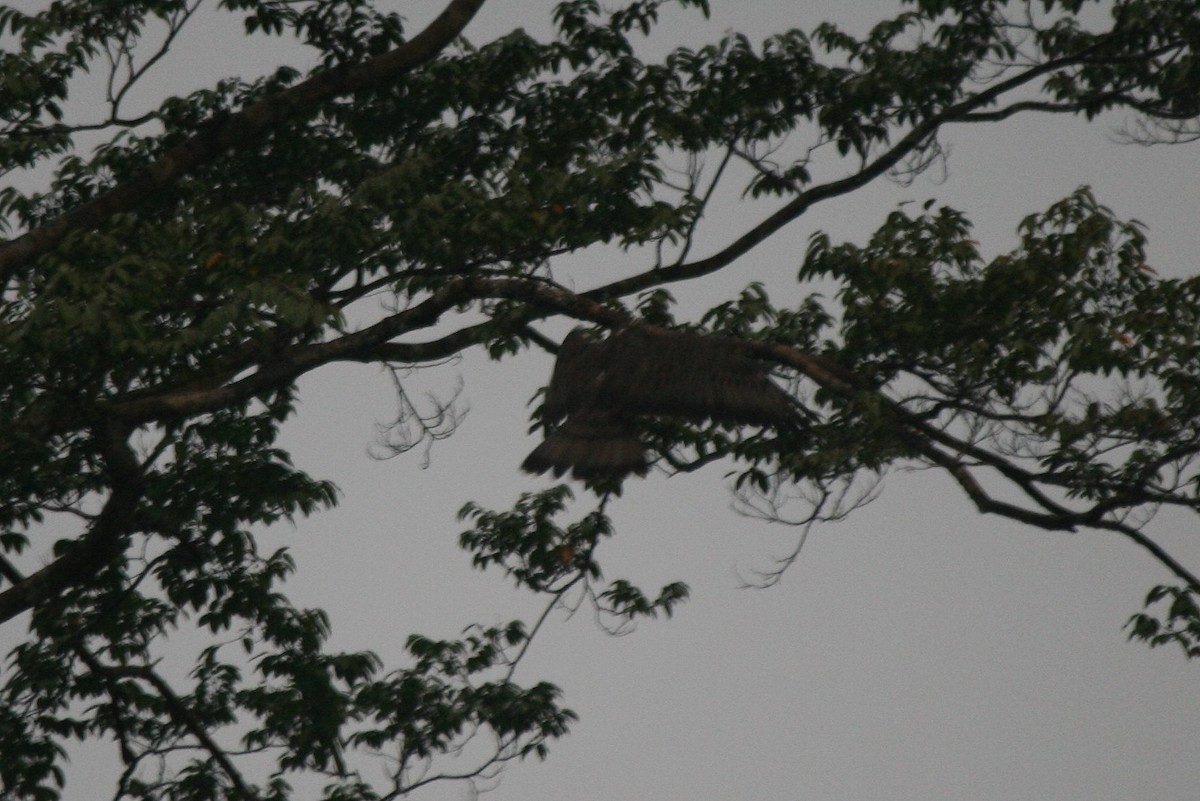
pixel 916 432
pixel 215 389
pixel 226 132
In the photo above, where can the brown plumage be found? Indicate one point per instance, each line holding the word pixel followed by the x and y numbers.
pixel 599 387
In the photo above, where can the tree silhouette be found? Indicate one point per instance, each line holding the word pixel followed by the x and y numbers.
pixel 175 268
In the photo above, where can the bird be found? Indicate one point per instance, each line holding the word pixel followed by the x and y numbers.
pixel 601 387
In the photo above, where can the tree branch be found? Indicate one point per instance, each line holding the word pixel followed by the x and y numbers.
pixel 184 717
pixel 226 132
pixel 369 344
pixel 821 192
pixel 105 540
pixel 923 438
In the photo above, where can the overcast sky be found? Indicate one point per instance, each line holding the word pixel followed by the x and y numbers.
pixel 916 651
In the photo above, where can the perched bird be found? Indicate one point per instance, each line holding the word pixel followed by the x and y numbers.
pixel 600 386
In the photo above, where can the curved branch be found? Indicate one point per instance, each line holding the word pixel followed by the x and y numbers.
pixel 910 142
pixel 102 543
pixel 1156 550
pixel 924 439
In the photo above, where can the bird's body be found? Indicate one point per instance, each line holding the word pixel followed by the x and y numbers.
pixel 599 388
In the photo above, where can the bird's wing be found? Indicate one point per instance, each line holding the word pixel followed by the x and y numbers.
pixel 689 375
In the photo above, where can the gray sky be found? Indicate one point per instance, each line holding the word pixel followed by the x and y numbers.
pixel 916 651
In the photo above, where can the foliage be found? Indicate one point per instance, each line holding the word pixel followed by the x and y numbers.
pixel 175 269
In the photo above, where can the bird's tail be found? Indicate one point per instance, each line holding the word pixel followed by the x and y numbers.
pixel 590 446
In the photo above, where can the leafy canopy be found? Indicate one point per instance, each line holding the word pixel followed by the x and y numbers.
pixel 173 269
